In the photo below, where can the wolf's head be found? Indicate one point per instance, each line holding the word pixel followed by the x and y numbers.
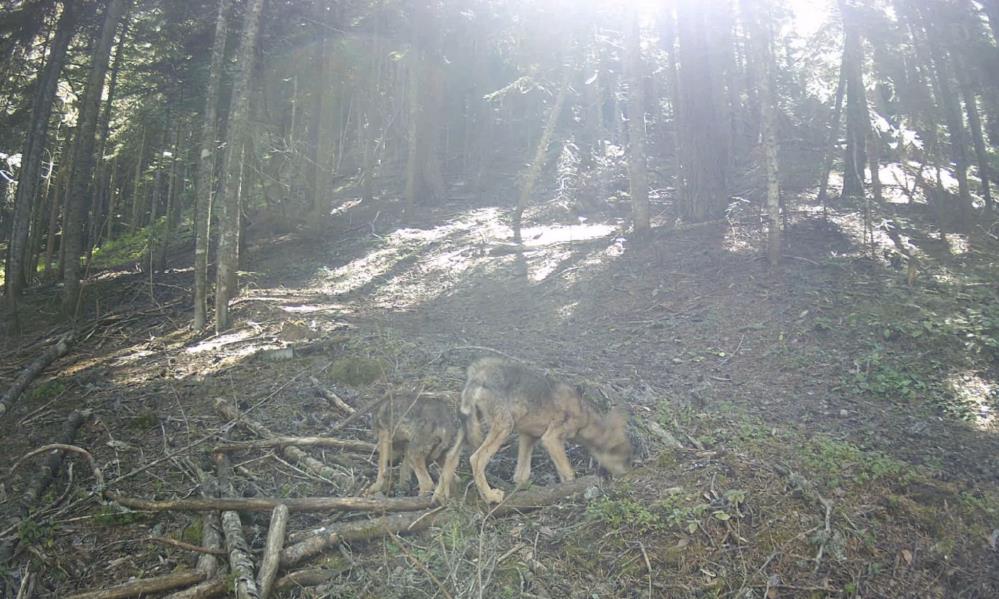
pixel 607 440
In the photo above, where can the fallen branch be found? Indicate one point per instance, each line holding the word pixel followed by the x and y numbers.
pixel 266 504
pixel 203 590
pixel 347 444
pixel 143 586
pixel 332 397
pixel 240 562
pixel 231 412
pixel 32 370
pixel 408 523
pixel 539 497
pixel 185 546
pixel 41 481
pixel 309 577
pixel 211 539
pixel 272 550
pixel 98 476
pixel 211 533
pixel 356 531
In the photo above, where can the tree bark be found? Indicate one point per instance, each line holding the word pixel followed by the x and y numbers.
pixel 229 192
pixel 41 111
pixel 321 142
pixel 171 203
pixel 240 560
pixel 978 139
pixel 204 181
pixel 270 562
pixel 638 177
pixel 833 135
pixel 703 134
pixel 101 206
pixel 81 181
pixel 424 177
pixel 759 18
pixel 858 120
pixel 32 371
pixel 266 504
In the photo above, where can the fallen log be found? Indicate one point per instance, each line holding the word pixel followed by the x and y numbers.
pixel 231 412
pixel 331 397
pixel 98 476
pixel 408 523
pixel 308 577
pixel 240 560
pixel 211 541
pixel 539 497
pixel 211 527
pixel 203 590
pixel 144 586
pixel 266 504
pixel 335 534
pixel 40 483
pixel 346 444
pixel 32 370
pixel 272 550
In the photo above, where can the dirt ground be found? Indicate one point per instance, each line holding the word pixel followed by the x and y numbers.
pixel 824 431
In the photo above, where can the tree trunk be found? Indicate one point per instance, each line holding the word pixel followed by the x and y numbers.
pixel 101 208
pixel 55 204
pixel 702 133
pixel 424 177
pixel 833 135
pixel 321 143
pixel 228 253
pixel 204 183
pixel 858 119
pixel 638 176
pixel 138 203
pixel 171 204
pixel 955 129
pixel 673 74
pixel 540 155
pixel 978 139
pixel 761 39
pixel 31 163
pixel 81 180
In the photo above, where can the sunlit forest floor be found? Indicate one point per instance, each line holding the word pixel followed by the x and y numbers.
pixel 827 431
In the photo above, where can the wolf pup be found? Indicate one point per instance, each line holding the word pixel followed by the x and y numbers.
pixel 508 397
pixel 422 429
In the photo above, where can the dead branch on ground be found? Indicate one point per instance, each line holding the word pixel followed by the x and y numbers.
pixel 41 481
pixel 408 523
pixel 240 561
pixel 266 504
pixel 203 590
pixel 272 550
pixel 32 370
pixel 279 442
pixel 98 476
pixel 143 586
pixel 231 412
pixel 331 397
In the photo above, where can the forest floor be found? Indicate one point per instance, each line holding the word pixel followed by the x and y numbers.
pixel 836 426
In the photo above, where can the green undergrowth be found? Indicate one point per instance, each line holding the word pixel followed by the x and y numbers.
pixel 747 510
pixel 134 246
pixel 907 344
